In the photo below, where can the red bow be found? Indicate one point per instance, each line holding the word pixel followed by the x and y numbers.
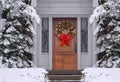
pixel 65 38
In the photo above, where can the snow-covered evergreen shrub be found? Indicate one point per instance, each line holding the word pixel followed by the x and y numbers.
pixel 16 35
pixel 102 1
pixel 107 31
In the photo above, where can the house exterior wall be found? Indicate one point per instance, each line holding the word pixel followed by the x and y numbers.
pixel 95 3
pixel 65 8
pixel 34 3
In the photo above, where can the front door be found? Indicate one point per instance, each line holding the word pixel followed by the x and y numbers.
pixel 64 44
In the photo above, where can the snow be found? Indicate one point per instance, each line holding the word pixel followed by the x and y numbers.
pixel 98 11
pixel 117 29
pixel 10 30
pixel 20 36
pixel 33 30
pixel 23 75
pixel 101 75
pixel 96 30
pixel 6 51
pixel 6 42
pixel 30 11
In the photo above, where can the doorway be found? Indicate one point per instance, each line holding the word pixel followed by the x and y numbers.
pixel 64 44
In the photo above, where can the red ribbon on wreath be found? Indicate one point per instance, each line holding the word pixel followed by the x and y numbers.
pixel 65 38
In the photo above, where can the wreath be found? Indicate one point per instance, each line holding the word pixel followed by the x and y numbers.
pixel 65 30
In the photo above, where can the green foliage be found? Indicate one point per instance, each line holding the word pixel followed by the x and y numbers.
pixel 27 2
pixel 108 33
pixel 16 34
pixel 101 2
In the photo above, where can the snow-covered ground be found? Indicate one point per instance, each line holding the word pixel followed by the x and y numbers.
pixel 101 75
pixel 23 75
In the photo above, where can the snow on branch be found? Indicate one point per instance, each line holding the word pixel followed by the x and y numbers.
pixel 30 11
pixel 97 13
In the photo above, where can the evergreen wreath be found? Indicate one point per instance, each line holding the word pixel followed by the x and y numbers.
pixel 66 27
pixel 65 30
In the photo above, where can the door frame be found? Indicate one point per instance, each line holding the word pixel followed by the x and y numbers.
pixel 90 56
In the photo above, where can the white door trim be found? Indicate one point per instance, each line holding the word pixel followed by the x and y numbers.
pixel 50 42
pixel 81 57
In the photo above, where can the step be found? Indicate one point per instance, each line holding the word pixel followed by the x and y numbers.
pixel 64 72
pixel 64 81
pixel 64 77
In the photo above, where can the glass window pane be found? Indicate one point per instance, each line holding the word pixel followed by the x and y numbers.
pixel 84 34
pixel 45 34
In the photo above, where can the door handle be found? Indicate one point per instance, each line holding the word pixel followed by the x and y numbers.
pixel 75 47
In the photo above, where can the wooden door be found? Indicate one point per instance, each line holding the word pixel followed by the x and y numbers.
pixel 64 43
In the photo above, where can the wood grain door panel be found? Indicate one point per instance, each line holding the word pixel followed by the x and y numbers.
pixel 64 57
pixel 69 62
pixel 57 61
